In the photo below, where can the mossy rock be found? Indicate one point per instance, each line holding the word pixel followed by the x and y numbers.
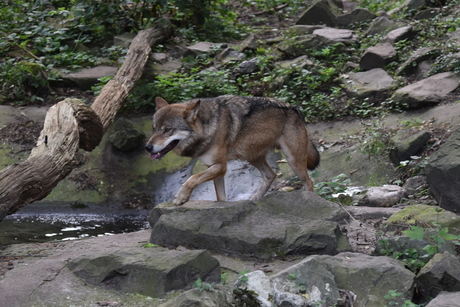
pixel 424 214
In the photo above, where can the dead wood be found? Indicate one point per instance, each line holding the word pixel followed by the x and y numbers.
pixel 70 125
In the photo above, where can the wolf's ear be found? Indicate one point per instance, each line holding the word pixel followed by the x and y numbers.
pixel 160 102
pixel 191 112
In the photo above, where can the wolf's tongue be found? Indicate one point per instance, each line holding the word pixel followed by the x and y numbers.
pixel 155 156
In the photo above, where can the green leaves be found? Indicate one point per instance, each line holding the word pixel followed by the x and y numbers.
pixel 416 258
pixel 415 233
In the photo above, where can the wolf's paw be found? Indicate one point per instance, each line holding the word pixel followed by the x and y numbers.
pixel 181 198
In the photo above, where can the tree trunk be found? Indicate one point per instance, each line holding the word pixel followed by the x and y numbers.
pixel 70 125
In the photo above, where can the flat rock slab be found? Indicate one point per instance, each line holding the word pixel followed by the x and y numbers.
pixel 87 77
pixel 427 92
pixel 152 271
pixel 368 83
pixel 263 230
pixel 41 272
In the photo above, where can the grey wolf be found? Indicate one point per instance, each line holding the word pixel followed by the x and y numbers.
pixel 217 130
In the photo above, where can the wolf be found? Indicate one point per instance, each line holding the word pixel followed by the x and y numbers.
pixel 224 128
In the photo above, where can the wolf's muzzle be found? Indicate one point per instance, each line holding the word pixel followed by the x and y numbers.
pixel 149 148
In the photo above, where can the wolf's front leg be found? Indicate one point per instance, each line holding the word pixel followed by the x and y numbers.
pixel 214 171
pixel 182 196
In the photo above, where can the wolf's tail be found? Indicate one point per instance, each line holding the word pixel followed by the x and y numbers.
pixel 312 152
pixel 312 156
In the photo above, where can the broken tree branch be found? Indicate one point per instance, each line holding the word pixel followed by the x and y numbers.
pixel 70 125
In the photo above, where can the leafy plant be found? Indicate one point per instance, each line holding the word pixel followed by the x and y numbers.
pixel 149 245
pixel 202 285
pixel 336 185
pixel 393 295
pixel 177 87
pixel 375 139
pixel 415 258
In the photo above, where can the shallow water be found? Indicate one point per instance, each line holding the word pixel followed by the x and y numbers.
pixel 61 227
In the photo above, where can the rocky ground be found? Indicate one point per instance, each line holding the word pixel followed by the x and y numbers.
pixel 63 274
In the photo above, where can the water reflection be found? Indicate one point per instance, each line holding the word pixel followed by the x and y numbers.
pixel 60 227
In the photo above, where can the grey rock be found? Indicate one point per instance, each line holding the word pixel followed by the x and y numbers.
pixel 445 299
pixel 319 13
pixel 368 83
pixel 151 271
pixel 425 215
pixel 317 279
pixel 427 13
pixel 296 203
pixel 301 61
pixel 124 136
pixel 336 35
pixel 443 173
pixel 355 16
pixel 355 272
pixel 378 56
pixel 321 37
pixel 384 196
pixel 380 25
pixel 441 273
pixel 406 32
pixel 84 79
pixel 410 65
pixel 235 228
pixel 416 4
pixel 304 29
pixel 123 40
pixel 250 43
pixel 415 184
pixel 427 92
pixel 254 286
pixel 423 69
pixel 228 55
pixel 199 298
pixel 247 67
pixel 202 47
pixel 407 143
pixel 310 281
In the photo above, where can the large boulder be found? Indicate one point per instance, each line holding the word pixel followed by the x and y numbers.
pixel 148 271
pixel 446 299
pixel 427 92
pixel 355 272
pixel 244 229
pixel 441 273
pixel 316 282
pixel 443 173
pixel 425 215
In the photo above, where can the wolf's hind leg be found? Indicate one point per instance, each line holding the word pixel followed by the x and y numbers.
pixel 296 155
pixel 219 185
pixel 268 175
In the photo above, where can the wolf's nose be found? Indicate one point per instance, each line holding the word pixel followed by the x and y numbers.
pixel 149 148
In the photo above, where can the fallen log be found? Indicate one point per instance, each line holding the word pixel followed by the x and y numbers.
pixel 70 125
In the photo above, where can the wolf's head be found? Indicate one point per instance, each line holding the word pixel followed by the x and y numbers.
pixel 172 124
